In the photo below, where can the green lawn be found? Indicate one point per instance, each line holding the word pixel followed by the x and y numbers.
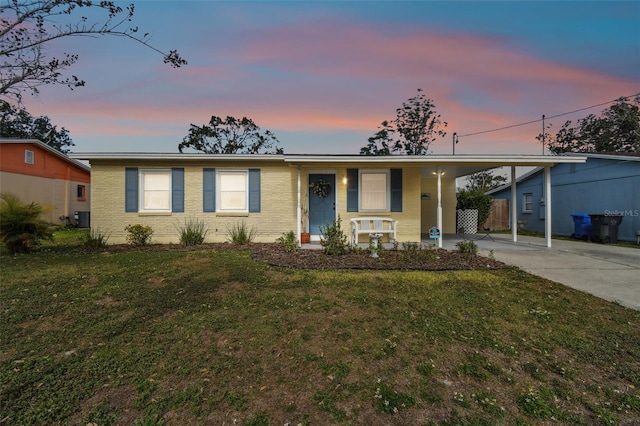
pixel 212 337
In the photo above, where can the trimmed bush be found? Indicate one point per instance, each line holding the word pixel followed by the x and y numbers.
pixel 21 228
pixel 138 235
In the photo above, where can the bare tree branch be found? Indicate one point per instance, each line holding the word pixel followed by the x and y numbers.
pixel 26 26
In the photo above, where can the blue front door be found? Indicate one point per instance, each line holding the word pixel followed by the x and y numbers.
pixel 322 210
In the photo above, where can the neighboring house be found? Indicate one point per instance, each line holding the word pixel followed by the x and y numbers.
pixel 36 172
pixel 604 185
pixel 271 193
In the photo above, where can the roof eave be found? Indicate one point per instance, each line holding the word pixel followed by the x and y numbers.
pixel 484 159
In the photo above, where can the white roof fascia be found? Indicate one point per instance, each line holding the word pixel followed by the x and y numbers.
pixel 172 156
pixel 620 157
pixel 497 160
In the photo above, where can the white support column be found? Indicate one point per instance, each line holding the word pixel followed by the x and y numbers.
pixel 299 209
pixel 439 210
pixel 514 206
pixel 547 205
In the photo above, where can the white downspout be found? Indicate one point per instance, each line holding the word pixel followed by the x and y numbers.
pixel 439 210
pixel 547 205
pixel 299 210
pixel 514 206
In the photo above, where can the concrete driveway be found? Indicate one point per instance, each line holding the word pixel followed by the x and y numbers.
pixel 607 271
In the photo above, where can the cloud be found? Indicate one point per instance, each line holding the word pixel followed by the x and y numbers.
pixel 333 77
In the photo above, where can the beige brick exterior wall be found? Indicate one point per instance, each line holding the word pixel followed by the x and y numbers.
pixel 279 185
pixel 410 220
pixel 429 207
pixel 278 204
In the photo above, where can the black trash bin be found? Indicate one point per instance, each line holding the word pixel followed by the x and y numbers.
pixel 581 226
pixel 604 227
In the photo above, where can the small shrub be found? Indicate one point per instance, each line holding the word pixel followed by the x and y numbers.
pixel 240 234
pixel 333 239
pixel 193 232
pixel 468 247
pixel 138 235
pixel 289 241
pixel 411 246
pixel 21 228
pixel 95 239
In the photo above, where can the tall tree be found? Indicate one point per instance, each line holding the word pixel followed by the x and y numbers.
pixel 416 126
pixel 18 123
pixel 230 136
pixel 27 26
pixel 484 181
pixel 617 129
pixel 381 143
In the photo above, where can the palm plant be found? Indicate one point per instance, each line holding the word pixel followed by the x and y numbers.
pixel 21 226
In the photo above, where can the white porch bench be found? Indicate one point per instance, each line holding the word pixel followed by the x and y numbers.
pixel 373 225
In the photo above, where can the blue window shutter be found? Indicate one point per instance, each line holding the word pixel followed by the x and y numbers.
pixel 209 190
pixel 396 190
pixel 177 190
pixel 131 189
pixel 254 190
pixel 352 190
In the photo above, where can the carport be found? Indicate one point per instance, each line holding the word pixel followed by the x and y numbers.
pixel 437 166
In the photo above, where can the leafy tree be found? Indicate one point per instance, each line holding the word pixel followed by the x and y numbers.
pixel 230 136
pixel 27 26
pixel 21 228
pixel 18 123
pixel 417 125
pixel 617 129
pixel 484 181
pixel 380 143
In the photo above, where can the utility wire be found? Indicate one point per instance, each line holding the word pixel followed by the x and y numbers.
pixel 546 118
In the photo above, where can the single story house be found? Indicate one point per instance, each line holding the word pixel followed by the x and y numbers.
pixel 36 172
pixel 606 184
pixel 272 193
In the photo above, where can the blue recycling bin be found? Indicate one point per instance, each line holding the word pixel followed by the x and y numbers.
pixel 581 226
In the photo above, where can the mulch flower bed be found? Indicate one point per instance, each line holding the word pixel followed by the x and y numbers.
pixel 428 259
pixel 424 259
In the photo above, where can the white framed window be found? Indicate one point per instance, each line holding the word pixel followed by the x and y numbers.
pixel 527 202
pixel 374 191
pixel 155 190
pixel 28 156
pixel 232 190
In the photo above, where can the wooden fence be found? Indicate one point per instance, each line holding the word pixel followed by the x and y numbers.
pixel 498 217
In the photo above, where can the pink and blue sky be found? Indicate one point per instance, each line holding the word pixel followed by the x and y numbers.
pixel 323 75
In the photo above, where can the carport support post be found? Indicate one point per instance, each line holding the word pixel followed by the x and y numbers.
pixel 299 211
pixel 547 205
pixel 439 209
pixel 514 206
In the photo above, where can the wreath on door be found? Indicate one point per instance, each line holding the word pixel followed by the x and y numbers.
pixel 321 188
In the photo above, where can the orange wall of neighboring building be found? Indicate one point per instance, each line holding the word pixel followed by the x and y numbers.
pixel 46 164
